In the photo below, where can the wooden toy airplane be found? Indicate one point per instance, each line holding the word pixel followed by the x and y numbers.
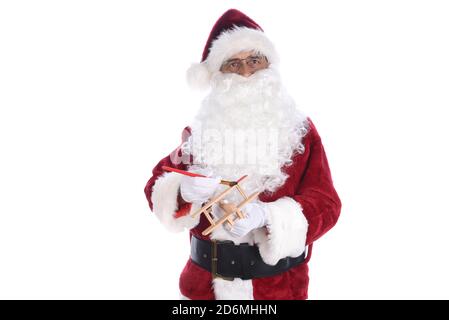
pixel 232 211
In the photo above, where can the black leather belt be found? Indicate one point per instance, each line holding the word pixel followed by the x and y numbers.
pixel 226 260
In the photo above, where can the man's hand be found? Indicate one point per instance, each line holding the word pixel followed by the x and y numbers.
pixel 255 217
pixel 198 189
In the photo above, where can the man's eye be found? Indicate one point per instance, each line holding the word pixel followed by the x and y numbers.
pixel 234 65
pixel 254 62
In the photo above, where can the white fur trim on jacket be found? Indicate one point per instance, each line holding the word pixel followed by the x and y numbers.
pixel 236 289
pixel 287 231
pixel 165 203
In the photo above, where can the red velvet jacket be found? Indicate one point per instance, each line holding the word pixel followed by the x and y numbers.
pixel 309 184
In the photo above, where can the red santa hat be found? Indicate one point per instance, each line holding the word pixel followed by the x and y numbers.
pixel 233 32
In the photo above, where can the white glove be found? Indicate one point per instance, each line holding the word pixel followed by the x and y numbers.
pixel 198 189
pixel 256 214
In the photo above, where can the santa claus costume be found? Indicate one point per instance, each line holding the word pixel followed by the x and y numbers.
pixel 294 180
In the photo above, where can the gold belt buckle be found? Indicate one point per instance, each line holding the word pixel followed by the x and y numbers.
pixel 214 261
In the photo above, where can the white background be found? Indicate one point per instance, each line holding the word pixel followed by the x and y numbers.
pixel 93 95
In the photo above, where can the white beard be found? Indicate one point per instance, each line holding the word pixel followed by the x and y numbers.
pixel 247 126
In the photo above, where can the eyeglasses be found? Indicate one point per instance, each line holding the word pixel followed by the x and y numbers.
pixel 254 63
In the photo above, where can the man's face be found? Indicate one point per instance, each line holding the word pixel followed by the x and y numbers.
pixel 245 63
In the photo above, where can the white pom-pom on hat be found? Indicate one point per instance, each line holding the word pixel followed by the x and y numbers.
pixel 198 76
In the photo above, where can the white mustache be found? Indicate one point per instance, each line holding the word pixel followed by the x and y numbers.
pixel 226 82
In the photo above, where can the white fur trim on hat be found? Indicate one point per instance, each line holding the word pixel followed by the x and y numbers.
pixel 236 40
pixel 287 230
pixel 229 43
pixel 165 203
